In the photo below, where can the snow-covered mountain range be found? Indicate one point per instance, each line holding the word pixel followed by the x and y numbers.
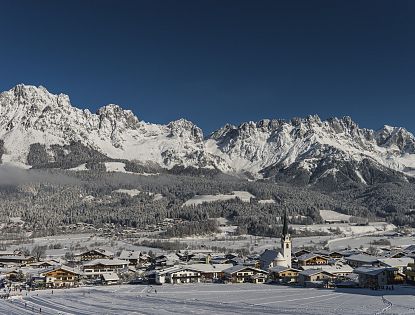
pixel 35 122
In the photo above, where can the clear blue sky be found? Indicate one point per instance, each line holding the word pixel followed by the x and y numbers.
pixel 218 61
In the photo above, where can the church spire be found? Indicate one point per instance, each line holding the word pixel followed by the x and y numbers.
pixel 285 225
pixel 286 241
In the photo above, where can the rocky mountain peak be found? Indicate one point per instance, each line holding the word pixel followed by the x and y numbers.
pixel 114 115
pixel 401 138
pixel 308 148
pixel 185 129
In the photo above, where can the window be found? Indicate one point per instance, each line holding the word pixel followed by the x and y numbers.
pixel 287 245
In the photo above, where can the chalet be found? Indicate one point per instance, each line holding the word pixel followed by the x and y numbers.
pixel 400 263
pixel 375 277
pixel 17 259
pixel 10 252
pixel 300 252
pixel 339 270
pixel 97 267
pixel 312 260
pixel 109 278
pixel 259 278
pixel 94 254
pixel 61 277
pixel 349 252
pixel 167 260
pixel 12 275
pixel 177 275
pixel 361 259
pixel 283 274
pixel 200 258
pixel 395 254
pixel 330 254
pixel 210 272
pixel 315 278
pixel 132 256
pixel 44 264
pixel 219 259
pixel 241 273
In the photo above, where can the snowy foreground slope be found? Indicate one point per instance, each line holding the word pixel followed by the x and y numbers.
pixel 213 299
pixel 308 148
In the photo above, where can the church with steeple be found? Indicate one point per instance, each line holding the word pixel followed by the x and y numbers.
pixel 286 242
pixel 272 258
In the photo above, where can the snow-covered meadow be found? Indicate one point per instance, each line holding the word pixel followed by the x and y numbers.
pixel 212 299
pixel 199 199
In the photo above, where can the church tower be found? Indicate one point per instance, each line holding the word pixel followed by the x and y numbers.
pixel 286 241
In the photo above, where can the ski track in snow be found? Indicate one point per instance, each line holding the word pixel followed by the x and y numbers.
pixel 211 299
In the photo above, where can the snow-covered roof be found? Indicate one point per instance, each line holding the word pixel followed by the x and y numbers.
pixel 268 255
pixel 129 254
pixel 310 272
pixel 363 258
pixel 102 251
pixel 106 262
pixel 110 276
pixel 396 262
pixel 373 271
pixel 65 268
pixel 238 268
pixel 282 269
pixel 310 256
pixel 333 269
pixel 15 257
pixel 176 268
pixel 410 248
pixel 208 268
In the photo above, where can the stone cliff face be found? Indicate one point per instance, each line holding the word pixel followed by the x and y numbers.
pixel 305 149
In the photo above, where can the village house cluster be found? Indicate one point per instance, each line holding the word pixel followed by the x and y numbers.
pixel 289 266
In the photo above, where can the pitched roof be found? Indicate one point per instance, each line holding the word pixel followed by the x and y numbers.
pixel 106 262
pixel 373 271
pixel 208 268
pixel 268 255
pixel 110 276
pixel 310 272
pixel 281 269
pixel 309 256
pixel 349 252
pixel 16 257
pixel 332 269
pixel 101 251
pixel 176 268
pixel 362 258
pixel 238 268
pixel 410 248
pixel 130 254
pixel 396 262
pixel 65 268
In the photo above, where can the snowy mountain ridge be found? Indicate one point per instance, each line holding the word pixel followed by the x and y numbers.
pixel 307 148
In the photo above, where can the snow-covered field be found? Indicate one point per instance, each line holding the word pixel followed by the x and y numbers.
pixel 347 229
pixel 333 215
pixel 212 299
pixel 199 199
pixel 366 241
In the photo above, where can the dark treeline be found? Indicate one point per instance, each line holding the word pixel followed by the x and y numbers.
pixel 89 197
